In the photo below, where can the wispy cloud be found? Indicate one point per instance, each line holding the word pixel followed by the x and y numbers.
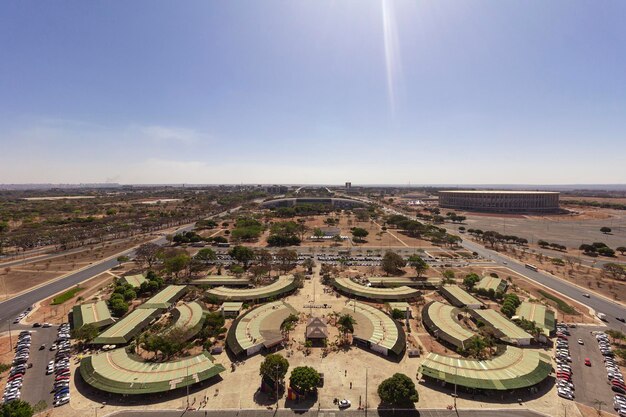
pixel 162 134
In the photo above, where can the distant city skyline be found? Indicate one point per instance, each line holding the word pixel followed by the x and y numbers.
pixel 380 92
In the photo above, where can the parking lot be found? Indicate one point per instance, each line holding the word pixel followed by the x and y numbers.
pixel 590 381
pixel 37 386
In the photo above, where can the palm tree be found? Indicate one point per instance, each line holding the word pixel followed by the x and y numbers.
pixel 346 324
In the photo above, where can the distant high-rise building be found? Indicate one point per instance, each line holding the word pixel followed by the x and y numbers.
pixel 348 185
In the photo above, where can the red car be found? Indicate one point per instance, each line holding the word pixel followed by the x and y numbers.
pixel 16 376
pixel 587 362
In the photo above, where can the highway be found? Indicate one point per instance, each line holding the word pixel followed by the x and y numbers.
pixel 12 307
pixel 596 302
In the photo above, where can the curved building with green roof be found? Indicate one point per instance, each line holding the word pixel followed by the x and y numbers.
pixel 258 328
pixel 441 321
pixel 515 368
pixel 189 316
pixel 283 285
pixel 351 288
pixel 376 330
pixel 120 372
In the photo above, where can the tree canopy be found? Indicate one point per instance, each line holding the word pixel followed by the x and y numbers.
pixel 304 379
pixel 418 264
pixel 274 367
pixel 392 262
pixel 399 390
pixel 16 408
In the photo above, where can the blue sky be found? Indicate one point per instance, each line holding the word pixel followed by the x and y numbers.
pixel 372 92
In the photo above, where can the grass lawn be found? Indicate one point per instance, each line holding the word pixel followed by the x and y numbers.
pixel 60 299
pixel 560 304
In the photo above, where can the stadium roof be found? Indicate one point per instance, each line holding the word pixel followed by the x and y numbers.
pixel 395 293
pixel 133 280
pixel 539 314
pixel 119 372
pixel 508 331
pixel 459 297
pixel 283 284
pixel 188 316
pixel 216 280
pixel 128 327
pixel 376 327
pixel 259 326
pixel 441 320
pixel 498 192
pixel 492 283
pixel 515 368
pixel 165 297
pixel 92 313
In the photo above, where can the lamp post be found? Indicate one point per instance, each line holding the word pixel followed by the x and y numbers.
pixel 276 382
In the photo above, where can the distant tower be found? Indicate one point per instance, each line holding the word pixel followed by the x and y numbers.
pixel 348 185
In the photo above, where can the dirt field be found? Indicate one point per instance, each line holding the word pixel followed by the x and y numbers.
pixel 19 278
pixel 568 230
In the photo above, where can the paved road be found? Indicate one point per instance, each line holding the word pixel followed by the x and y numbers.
pixel 11 308
pixel 599 304
pixel 333 413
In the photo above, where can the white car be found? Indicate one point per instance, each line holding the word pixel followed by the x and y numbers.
pixel 581 342
pixel 344 403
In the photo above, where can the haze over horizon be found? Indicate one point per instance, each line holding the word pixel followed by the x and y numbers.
pixel 380 92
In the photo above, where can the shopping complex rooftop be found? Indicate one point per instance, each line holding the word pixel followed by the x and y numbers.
pixel 96 313
pixel 459 297
pixel 347 286
pixel 506 330
pixel 376 328
pixel 283 285
pixel 117 371
pixel 441 320
pixel 258 328
pixel 538 313
pixel 514 368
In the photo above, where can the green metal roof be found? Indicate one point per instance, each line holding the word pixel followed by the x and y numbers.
pixel 91 313
pixel 165 297
pixel 376 327
pixel 515 368
pixel 409 282
pixel 459 297
pixel 188 316
pixel 226 280
pixel 134 280
pixel 538 313
pixel 259 326
pixel 232 306
pixel 120 372
pixel 128 327
pixel 440 319
pixel 508 331
pixel 492 283
pixel 284 284
pixel 346 285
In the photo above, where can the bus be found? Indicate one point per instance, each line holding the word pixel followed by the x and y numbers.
pixel 533 267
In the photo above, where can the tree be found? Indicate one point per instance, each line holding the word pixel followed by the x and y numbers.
pixel 286 259
pixel 265 259
pixel 392 262
pixel 621 249
pixel 605 230
pixel 359 234
pixel 418 264
pixel 274 367
pixel 206 255
pixel 16 408
pixel 346 324
pixel 148 253
pixel 242 254
pixel 118 306
pixel 399 390
pixel 475 347
pixel 122 258
pixel 397 314
pixel 470 280
pixel 176 262
pixel 317 232
pixel 86 333
pixel 309 264
pixel 304 379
